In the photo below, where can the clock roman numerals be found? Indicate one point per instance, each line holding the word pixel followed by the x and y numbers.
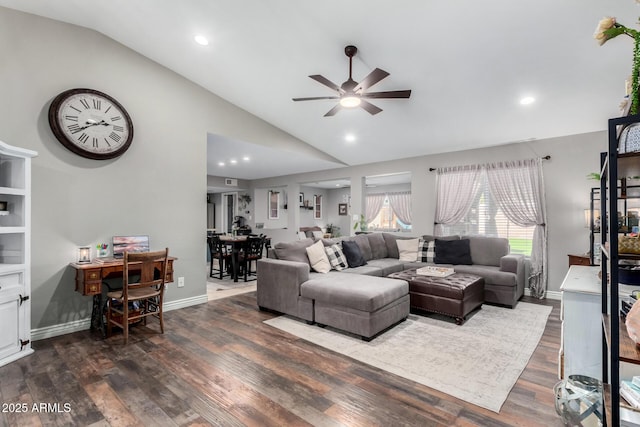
pixel 85 104
pixel 74 128
pixel 83 138
pixel 71 118
pixel 115 136
pixel 116 118
pixel 118 128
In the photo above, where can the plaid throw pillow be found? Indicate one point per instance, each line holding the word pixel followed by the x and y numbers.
pixel 336 257
pixel 426 251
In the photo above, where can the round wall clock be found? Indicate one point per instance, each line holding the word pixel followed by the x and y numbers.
pixel 91 123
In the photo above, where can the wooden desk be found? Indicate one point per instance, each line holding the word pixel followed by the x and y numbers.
pixel 89 276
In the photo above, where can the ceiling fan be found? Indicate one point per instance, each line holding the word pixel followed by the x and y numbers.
pixel 352 94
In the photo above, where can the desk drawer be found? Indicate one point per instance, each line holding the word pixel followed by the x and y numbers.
pixel 92 288
pixel 11 281
pixel 89 281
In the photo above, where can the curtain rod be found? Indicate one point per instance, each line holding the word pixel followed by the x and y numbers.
pixel 543 158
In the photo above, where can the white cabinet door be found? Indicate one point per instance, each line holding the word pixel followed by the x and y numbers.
pixel 12 321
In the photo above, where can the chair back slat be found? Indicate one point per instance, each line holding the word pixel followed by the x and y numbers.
pixel 147 263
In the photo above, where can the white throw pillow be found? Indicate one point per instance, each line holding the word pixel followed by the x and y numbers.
pixel 318 258
pixel 408 249
pixel 318 234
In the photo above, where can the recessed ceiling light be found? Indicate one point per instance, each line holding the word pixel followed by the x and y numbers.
pixel 220 163
pixel 349 137
pixel 337 185
pixel 233 161
pixel 246 158
pixel 527 100
pixel 201 40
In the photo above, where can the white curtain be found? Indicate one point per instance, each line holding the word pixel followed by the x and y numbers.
pixel 457 187
pixel 518 188
pixel 373 206
pixel 401 204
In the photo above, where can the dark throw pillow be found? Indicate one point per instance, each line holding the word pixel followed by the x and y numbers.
pixel 353 254
pixel 453 252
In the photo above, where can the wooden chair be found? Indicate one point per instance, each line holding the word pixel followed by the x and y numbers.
pixel 219 252
pixel 138 299
pixel 252 251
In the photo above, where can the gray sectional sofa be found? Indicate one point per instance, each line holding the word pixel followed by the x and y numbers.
pixel 287 284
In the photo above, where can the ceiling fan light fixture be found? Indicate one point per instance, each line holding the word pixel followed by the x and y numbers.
pixel 350 101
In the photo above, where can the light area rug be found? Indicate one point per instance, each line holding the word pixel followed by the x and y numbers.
pixel 478 362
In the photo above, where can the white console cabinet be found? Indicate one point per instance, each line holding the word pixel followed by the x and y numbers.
pixel 15 252
pixel 581 346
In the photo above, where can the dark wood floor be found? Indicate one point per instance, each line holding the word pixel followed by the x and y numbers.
pixel 218 364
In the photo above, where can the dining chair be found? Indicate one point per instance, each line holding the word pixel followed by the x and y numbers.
pixel 221 254
pixel 252 251
pixel 141 298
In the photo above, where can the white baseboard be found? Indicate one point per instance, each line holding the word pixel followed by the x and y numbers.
pixel 548 294
pixel 84 324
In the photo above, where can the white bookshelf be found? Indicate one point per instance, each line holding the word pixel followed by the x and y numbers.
pixel 15 253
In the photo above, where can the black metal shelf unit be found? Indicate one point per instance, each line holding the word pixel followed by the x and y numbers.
pixel 613 167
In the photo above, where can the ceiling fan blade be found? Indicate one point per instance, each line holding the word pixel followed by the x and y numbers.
pixel 315 98
pixel 369 107
pixel 374 77
pixel 388 94
pixel 325 81
pixel 334 110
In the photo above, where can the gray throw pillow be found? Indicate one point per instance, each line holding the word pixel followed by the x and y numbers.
pixel 353 254
pixel 456 252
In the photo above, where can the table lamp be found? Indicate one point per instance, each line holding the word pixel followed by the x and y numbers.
pixel 84 254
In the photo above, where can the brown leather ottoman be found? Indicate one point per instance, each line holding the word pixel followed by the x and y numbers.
pixel 456 295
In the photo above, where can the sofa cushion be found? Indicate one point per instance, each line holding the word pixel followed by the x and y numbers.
pixel 293 251
pixel 332 241
pixel 336 257
pixel 453 252
pixel 392 246
pixel 318 258
pixel 429 237
pixel 492 275
pixel 427 250
pixel 408 249
pixel 387 265
pixel 378 246
pixel 365 248
pixel 352 252
pixel 487 250
pixel 359 292
pixel 365 270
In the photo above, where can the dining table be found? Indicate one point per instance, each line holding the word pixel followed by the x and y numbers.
pixel 236 243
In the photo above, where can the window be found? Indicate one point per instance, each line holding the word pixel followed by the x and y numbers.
pixel 317 206
pixel 486 218
pixel 387 220
pixel 274 204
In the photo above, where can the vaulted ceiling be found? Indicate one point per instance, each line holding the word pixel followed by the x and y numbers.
pixel 467 62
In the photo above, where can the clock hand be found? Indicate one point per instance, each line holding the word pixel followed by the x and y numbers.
pixel 91 122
